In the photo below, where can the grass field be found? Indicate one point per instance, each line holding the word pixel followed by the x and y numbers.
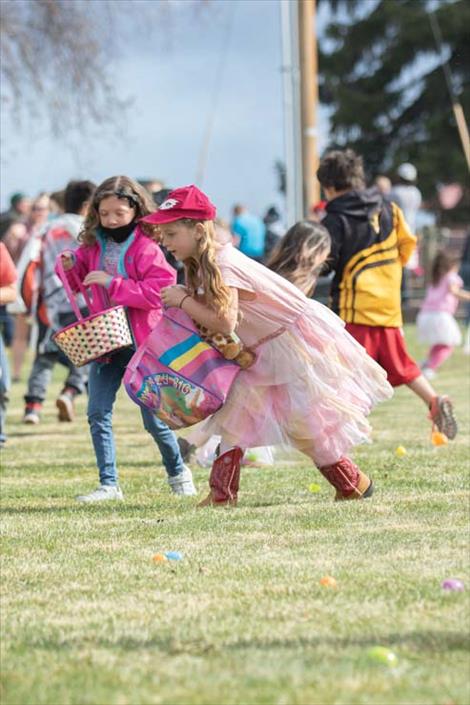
pixel 88 617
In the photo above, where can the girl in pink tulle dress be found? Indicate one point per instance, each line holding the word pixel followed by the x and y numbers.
pixel 311 385
pixel 436 323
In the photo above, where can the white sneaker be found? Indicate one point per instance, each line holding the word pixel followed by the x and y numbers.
pixel 428 373
pixel 183 484
pixel 103 493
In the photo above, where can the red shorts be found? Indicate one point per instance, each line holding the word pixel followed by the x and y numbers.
pixel 387 347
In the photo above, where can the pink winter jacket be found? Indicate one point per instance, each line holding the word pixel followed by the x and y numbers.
pixel 142 272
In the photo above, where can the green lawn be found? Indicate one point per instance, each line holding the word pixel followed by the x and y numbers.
pixel 88 617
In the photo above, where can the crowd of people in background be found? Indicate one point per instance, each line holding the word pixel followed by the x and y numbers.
pixel 34 231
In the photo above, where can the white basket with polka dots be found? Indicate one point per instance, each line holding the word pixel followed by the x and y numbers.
pixel 95 336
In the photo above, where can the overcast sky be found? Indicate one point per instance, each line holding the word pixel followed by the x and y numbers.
pixel 174 98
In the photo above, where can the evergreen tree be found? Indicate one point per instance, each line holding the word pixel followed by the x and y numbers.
pixel 381 73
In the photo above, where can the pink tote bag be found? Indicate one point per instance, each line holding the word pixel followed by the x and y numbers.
pixel 177 375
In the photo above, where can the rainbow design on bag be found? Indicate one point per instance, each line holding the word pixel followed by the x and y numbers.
pixel 177 375
pixel 192 358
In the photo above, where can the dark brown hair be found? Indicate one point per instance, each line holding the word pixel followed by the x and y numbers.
pixel 122 187
pixel 441 264
pixel 76 194
pixel 341 170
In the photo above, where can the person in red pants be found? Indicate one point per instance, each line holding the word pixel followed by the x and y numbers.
pixel 370 244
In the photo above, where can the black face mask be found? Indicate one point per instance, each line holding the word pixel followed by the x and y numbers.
pixel 119 234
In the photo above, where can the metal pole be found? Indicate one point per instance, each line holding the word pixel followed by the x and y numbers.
pixel 291 103
pixel 309 83
pixel 297 113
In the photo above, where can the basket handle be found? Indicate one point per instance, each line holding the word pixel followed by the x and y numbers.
pixel 68 290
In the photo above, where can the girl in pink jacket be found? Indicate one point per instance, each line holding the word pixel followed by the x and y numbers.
pixel 130 269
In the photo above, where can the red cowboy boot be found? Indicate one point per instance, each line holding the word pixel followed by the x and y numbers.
pixel 348 480
pixel 224 479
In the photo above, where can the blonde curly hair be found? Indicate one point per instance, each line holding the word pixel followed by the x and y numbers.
pixel 202 270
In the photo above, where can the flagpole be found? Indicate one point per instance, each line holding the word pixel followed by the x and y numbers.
pixel 309 95
pixel 292 110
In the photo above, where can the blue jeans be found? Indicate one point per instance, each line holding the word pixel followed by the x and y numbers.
pixel 103 384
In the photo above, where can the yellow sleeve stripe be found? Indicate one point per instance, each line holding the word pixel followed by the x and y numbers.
pixel 347 286
pixel 389 242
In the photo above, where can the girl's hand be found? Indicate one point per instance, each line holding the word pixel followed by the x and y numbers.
pixel 460 293
pixel 67 261
pixel 97 277
pixel 173 295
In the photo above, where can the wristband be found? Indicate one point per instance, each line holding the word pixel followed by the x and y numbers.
pixel 188 296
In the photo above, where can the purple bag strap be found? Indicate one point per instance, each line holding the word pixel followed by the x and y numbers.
pixel 71 296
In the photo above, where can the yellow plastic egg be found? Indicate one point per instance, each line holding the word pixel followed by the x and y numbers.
pixel 382 656
pixel 400 452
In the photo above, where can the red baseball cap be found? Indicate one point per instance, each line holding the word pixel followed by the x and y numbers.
pixel 184 202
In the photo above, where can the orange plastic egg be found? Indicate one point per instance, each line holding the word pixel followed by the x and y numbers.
pixel 439 439
pixel 328 581
pixel 159 558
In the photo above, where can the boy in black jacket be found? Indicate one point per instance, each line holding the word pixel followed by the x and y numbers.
pixel 371 242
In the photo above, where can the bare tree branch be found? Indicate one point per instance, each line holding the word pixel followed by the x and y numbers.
pixel 57 55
